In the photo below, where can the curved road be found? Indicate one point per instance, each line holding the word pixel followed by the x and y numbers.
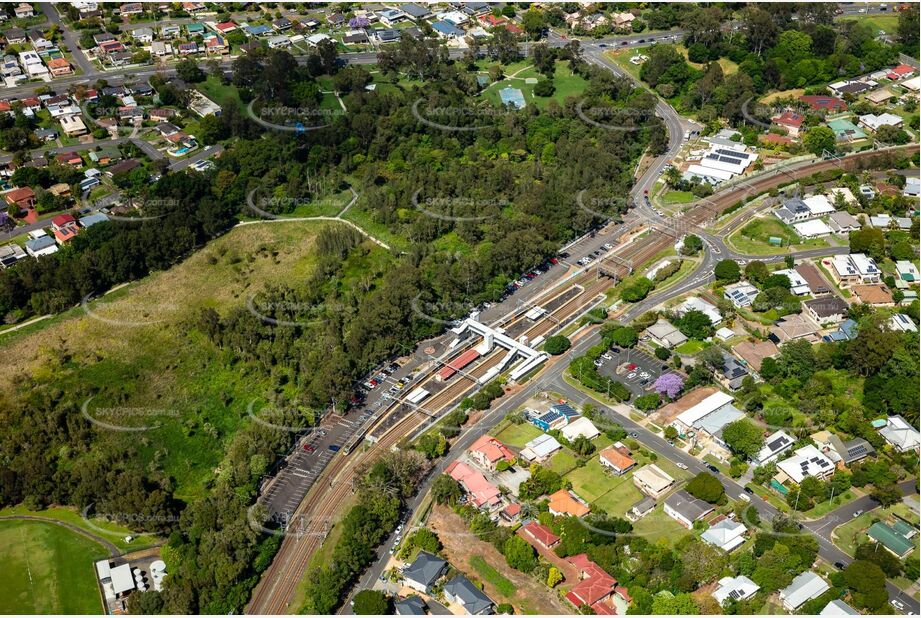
pixel 110 547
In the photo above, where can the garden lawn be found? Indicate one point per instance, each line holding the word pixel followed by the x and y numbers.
pixel 562 462
pixel 518 435
pixel 491 575
pixel 47 569
pixel 849 535
pixel 215 90
pixel 657 526
pixel 691 347
pixel 678 197
pixel 887 23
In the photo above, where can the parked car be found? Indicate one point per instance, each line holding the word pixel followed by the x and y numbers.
pixel 713 468
pixel 681 466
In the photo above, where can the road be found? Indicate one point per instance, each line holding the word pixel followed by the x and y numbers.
pixel 71 38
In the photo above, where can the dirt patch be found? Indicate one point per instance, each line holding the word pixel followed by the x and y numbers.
pixel 531 596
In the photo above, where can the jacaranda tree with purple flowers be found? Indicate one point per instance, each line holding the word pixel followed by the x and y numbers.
pixel 669 384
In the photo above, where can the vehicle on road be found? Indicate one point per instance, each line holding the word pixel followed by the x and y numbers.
pixel 744 497
pixel 897 604
pixel 858 513
pixel 748 490
pixel 839 566
pixel 633 434
pixel 713 468
pixel 681 466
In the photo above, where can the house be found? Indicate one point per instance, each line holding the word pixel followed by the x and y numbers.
pixel 876 295
pixel 161 114
pixel 133 8
pixel 855 268
pixel 387 35
pixel 282 23
pixel 32 64
pixel 873 121
pixel 41 245
pixel 825 311
pixel 93 219
pixel 902 71
pixel 622 19
pixel 907 271
pixel 885 221
pixel 355 36
pixel 161 49
pixel 225 27
pixel 798 284
pixel 665 335
pixel 60 189
pixel 726 534
pixel 143 35
pixel 880 96
pixel 474 601
pixel 424 571
pixel 480 492
pixel 278 41
pixel 845 130
pixel 806 461
pixel 24 197
pixel 487 452
pixel 773 139
pixel 901 434
pixel 741 294
pixel 15 36
pixel 60 66
pixel 595 588
pixel 791 121
pixel 739 588
pixel 72 125
pixel 842 223
pixel 556 417
pixel 535 533
pixel 641 509
pixel 815 228
pixel 201 105
pixel 410 606
pixel 902 323
pixel 912 187
pixel 511 512
pixel 616 460
pixel 652 481
pixel 697 304
pixel 851 87
pixel 818 205
pixel 839 451
pixel 123 167
pixel 580 427
pixel 685 508
pixel 195 29
pixel 792 211
pixel 754 352
pixel 415 11
pixel 69 158
pixel 447 30
pixel 391 17
pixel 805 587
pixel 316 39
pixel 170 31
pixel 565 502
pixel 837 607
pixel 23 10
pixel 774 445
pixel 540 448
pixel 896 538
pixel 10 254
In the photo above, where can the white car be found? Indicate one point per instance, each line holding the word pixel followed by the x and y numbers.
pixel 631 375
pixel 680 465
pixel 744 497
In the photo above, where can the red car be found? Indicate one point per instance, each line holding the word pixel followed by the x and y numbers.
pixel 554 261
pixel 309 448
pixel 631 366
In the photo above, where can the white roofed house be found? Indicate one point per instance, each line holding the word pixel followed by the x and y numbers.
pixel 814 228
pixel 697 304
pixel 741 294
pixel 737 588
pixel 540 448
pixel 901 434
pixel 806 461
pixel 798 285
pixel 805 587
pixel 580 427
pixel 774 445
pixel 727 534
pixel 856 268
pixel 652 480
pixel 818 205
pixel 72 125
pixel 874 121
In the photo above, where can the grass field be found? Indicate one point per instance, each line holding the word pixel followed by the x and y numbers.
pixel 567 84
pixel 491 575
pixel 887 23
pixel 518 435
pixel 219 93
pixel 614 494
pixel 690 347
pixel 657 526
pixel 678 197
pixel 111 532
pixel 198 409
pixel 849 535
pixel 753 237
pixel 47 569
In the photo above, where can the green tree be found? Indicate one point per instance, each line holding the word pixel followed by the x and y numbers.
pixel 554 577
pixel 692 245
pixel 819 139
pixel 727 271
pixel 868 582
pixel 519 554
pixel 743 437
pixel 544 88
pixel 706 487
pixel 624 337
pixel 694 324
pixel 674 605
pixel 557 344
pixel 188 71
pixel 756 271
pixel 648 402
pixel 371 602
pixel 445 490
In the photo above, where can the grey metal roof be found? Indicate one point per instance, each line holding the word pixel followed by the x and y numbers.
pixel 474 600
pixel 410 606
pixel 687 505
pixel 425 569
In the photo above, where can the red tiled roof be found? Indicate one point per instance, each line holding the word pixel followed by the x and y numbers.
pixel 616 458
pixel 19 195
pixel 512 510
pixel 817 102
pixel 620 590
pixel 596 586
pixel 475 484
pixel 603 609
pixel 773 138
pixel 902 69
pixel 563 502
pixel 541 534
pixel 492 449
pixel 65 234
pixel 789 119
pixel 61 220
